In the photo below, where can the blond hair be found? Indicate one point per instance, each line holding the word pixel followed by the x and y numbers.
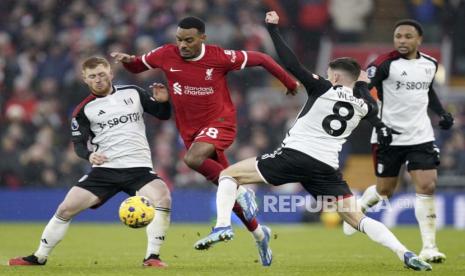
pixel 92 62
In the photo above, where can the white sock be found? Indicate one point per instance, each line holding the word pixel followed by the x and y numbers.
pixel 225 198
pixel 258 233
pixel 156 230
pixel 370 197
pixel 52 235
pixel 379 233
pixel 425 212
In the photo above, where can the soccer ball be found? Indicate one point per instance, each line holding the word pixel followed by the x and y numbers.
pixel 330 219
pixel 136 212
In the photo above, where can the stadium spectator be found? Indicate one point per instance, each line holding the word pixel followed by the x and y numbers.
pixel 429 14
pixel 454 20
pixel 313 18
pixel 349 18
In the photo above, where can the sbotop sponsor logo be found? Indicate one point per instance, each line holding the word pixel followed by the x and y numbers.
pixel 123 119
pixel 297 203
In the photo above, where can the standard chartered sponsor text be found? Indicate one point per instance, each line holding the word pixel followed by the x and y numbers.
pixel 198 91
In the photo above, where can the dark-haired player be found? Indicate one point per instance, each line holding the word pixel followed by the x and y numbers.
pixel 309 153
pixel 403 80
pixel 205 114
pixel 110 119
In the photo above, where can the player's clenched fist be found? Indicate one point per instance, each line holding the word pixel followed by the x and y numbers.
pixel 294 92
pixel 122 57
pixel 272 17
pixel 159 92
pixel 363 76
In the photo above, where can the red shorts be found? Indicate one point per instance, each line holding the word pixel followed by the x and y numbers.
pixel 219 134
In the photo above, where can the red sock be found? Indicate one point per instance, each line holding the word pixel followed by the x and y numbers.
pixel 251 225
pixel 221 158
pixel 211 169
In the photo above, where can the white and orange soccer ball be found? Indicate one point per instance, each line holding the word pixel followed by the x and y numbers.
pixel 136 212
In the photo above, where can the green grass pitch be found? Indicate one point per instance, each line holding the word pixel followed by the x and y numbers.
pixel 112 249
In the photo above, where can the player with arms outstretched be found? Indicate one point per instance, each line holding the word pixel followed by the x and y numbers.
pixel 205 114
pixel 309 153
pixel 403 81
pixel 110 118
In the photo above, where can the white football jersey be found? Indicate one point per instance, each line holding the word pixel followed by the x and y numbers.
pixel 403 87
pixel 115 126
pixel 328 117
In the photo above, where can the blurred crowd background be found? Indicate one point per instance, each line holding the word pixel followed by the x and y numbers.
pixel 42 43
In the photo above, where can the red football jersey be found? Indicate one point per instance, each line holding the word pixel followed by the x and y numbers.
pixel 198 86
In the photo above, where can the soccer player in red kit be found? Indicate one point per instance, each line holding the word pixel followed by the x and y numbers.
pixel 205 114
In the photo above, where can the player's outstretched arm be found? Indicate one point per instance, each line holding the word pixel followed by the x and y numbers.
pixel 267 62
pixel 132 63
pixel 122 57
pixel 287 56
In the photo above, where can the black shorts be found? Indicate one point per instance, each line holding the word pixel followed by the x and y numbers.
pixel 107 182
pixel 388 160
pixel 289 165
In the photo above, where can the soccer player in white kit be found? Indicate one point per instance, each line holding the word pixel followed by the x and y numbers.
pixel 403 80
pixel 111 120
pixel 309 153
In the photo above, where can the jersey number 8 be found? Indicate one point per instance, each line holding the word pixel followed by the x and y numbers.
pixel 336 116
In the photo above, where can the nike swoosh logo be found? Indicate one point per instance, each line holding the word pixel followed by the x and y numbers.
pixel 174 70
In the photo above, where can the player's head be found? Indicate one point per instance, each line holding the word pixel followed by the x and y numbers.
pixel 343 71
pixel 189 37
pixel 97 74
pixel 408 35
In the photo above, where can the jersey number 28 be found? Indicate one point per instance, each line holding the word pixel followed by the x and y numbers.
pixel 210 132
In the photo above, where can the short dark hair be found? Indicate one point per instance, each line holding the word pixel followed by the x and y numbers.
pixel 346 64
pixel 192 22
pixel 92 62
pixel 410 22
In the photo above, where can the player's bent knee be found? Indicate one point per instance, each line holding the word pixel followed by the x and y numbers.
pixel 227 172
pixel 385 191
pixel 193 161
pixel 165 199
pixel 232 173
pixel 158 193
pixel 67 211
pixel 352 218
pixel 426 189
